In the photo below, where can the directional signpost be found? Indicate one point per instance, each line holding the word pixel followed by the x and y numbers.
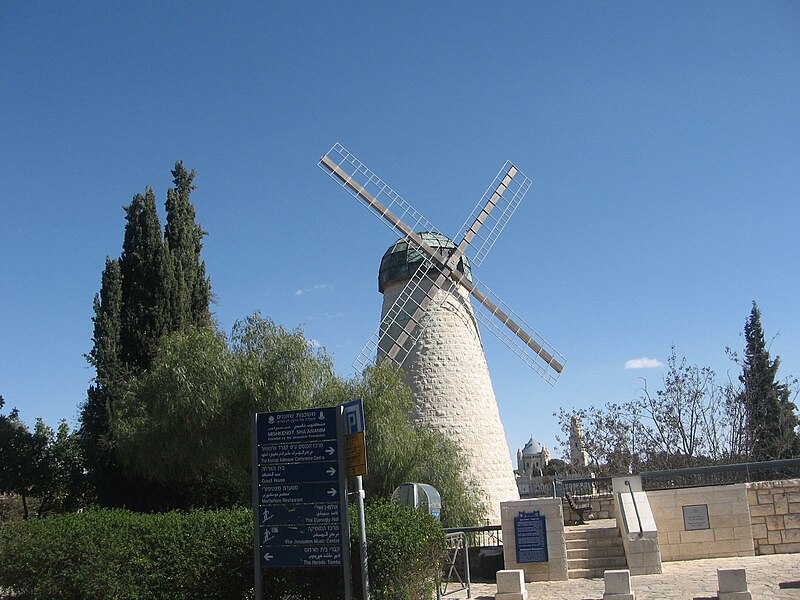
pixel 300 491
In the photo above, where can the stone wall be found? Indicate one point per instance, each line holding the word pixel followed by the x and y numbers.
pixel 729 531
pixel 447 373
pixel 775 515
pixel 556 566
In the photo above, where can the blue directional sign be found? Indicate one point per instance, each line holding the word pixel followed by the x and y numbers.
pixel 321 471
pixel 292 426
pixel 530 536
pixel 299 493
pixel 300 488
pixel 299 452
pixel 301 535
pixel 301 556
pixel 321 513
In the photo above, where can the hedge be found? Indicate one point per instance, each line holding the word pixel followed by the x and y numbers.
pixel 110 554
pixel 116 554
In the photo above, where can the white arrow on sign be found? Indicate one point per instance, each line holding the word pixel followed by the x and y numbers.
pixel 268 557
pixel 330 450
pixel 331 471
pixel 331 492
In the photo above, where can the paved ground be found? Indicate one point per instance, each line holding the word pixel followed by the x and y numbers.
pixel 776 576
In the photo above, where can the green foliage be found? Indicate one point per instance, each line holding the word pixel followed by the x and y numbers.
pixel 557 467
pixel 771 417
pixel 158 285
pixel 117 554
pixel 203 554
pixel 399 451
pixel 405 549
pixel 41 464
pixel 188 417
pixel 191 289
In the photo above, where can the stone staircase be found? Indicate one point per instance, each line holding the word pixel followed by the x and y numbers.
pixel 593 548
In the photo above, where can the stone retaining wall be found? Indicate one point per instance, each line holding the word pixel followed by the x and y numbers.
pixel 775 515
pixel 728 532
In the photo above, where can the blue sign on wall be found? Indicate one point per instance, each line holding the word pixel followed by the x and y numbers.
pixel 530 537
pixel 300 486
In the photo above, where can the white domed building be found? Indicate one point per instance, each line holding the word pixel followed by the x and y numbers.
pixel 532 461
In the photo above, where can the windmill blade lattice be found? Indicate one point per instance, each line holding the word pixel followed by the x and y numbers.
pixel 502 197
pixel 393 338
pixel 349 172
pixel 547 362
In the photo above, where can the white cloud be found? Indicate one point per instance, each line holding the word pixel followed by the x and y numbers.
pixel 320 287
pixel 643 363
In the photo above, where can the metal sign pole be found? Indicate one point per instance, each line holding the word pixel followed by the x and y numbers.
pixel 345 511
pixel 362 537
pixel 254 483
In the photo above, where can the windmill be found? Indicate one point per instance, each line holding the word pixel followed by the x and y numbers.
pixel 428 325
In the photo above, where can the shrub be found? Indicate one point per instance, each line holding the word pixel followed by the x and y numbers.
pixel 117 554
pixel 405 549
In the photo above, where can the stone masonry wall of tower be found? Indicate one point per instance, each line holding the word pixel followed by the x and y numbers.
pixel 453 392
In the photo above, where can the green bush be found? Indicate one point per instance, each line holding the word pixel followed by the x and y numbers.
pixel 405 549
pixel 115 554
pixel 118 554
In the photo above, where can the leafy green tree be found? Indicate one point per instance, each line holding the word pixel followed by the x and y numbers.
pixel 771 417
pixel 398 451
pixel 188 418
pixel 158 285
pixel 556 466
pixel 41 464
pixel 691 420
pixel 17 465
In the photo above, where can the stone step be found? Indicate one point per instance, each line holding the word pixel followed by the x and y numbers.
pixel 603 532
pixel 593 543
pixel 597 562
pixel 584 573
pixel 589 553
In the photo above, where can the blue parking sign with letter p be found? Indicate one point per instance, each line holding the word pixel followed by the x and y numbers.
pixel 354 416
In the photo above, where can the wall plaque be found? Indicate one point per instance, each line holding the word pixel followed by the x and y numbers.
pixel 530 536
pixel 695 517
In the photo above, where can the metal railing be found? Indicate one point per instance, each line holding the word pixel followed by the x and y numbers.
pixel 635 507
pixel 772 470
pixel 587 486
pixel 457 554
pixel 487 536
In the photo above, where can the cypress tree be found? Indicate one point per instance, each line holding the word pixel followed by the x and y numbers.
pixel 158 285
pixel 191 293
pixel 146 279
pixel 105 357
pixel 771 418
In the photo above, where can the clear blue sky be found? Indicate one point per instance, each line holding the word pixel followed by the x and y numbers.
pixel 663 141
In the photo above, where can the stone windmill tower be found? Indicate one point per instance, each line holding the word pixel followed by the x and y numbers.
pixel 428 324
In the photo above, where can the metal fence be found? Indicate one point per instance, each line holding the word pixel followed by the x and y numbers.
pixel 456 576
pixel 772 470
pixel 488 536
